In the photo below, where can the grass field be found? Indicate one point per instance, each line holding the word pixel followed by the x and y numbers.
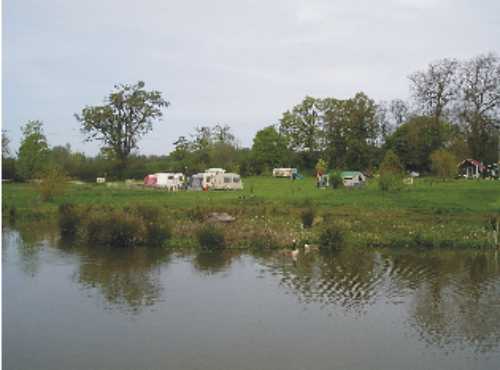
pixel 430 212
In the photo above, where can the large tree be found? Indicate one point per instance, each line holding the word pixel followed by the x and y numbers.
pixel 269 149
pixel 435 88
pixel 479 105
pixel 415 140
pixel 351 127
pixel 33 151
pixel 302 127
pixel 127 115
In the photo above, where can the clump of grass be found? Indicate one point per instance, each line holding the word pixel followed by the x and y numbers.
pixel 69 220
pixel 307 217
pixel 211 237
pixel 262 240
pixel 195 214
pixel 331 237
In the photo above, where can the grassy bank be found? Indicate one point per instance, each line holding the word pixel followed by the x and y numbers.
pixel 428 213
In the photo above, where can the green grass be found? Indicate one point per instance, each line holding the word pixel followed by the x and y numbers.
pixel 428 212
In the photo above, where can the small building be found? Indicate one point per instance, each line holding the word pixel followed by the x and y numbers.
pixel 471 168
pixel 285 172
pixel 353 178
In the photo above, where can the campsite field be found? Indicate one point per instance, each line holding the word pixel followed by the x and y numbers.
pixel 430 212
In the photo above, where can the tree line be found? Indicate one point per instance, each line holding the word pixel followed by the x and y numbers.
pixel 454 110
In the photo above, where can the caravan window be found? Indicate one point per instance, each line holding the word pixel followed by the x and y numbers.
pixel 236 179
pixel 170 177
pixel 227 179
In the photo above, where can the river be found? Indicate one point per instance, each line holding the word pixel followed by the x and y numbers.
pixel 74 307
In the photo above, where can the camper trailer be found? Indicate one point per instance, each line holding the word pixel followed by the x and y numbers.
pixel 201 181
pixel 216 179
pixel 167 180
pixel 285 172
pixel 353 178
pixel 227 181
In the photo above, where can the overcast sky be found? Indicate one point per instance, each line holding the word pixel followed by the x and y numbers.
pixel 240 63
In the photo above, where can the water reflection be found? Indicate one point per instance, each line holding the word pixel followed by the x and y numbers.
pixel 213 262
pixel 456 302
pixel 452 298
pixel 349 279
pixel 448 299
pixel 127 279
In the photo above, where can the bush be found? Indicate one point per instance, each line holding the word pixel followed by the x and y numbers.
pixel 444 164
pixel 391 173
pixel 390 182
pixel 211 237
pixel 69 220
pixel 115 228
pixel 331 237
pixel 336 180
pixel 157 233
pixel 53 182
pixel 307 216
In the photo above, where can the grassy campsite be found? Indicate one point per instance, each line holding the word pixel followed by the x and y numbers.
pixel 277 213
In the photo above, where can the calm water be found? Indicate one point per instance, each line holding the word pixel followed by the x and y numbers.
pixel 87 308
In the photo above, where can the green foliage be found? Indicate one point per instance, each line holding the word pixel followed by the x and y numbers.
pixel 391 163
pixel 52 183
pixel 444 164
pixel 211 237
pixel 307 217
pixel 391 173
pixel 269 150
pixel 33 151
pixel 331 237
pixel 336 180
pixel 350 129
pixel 109 226
pixel 415 140
pixel 128 115
pixel 321 166
pixel 115 228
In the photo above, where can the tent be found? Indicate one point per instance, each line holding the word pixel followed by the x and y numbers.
pixel 353 178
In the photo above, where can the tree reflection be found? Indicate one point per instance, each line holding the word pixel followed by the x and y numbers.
pixel 213 262
pixel 457 303
pixel 347 279
pixel 30 238
pixel 128 279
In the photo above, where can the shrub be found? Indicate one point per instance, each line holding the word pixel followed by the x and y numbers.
pixel 307 216
pixel 115 228
pixel 391 173
pixel 336 180
pixel 390 182
pixel 157 233
pixel 444 164
pixel 331 237
pixel 210 237
pixel 53 182
pixel 69 220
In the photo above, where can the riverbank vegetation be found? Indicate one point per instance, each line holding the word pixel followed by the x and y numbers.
pixel 278 211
